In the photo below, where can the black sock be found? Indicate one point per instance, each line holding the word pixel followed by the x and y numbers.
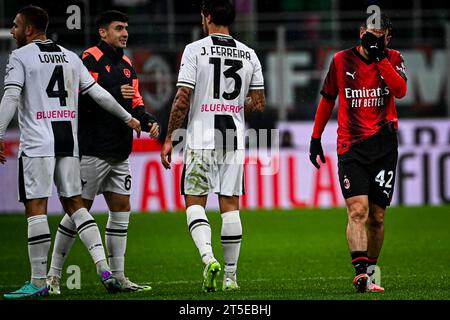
pixel 359 261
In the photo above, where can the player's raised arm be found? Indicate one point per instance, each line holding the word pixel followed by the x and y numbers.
pixel 180 109
pixel 395 78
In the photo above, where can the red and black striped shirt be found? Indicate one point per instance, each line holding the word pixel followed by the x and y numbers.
pixel 366 92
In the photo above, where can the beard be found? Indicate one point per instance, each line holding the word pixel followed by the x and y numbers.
pixel 21 39
pixel 21 42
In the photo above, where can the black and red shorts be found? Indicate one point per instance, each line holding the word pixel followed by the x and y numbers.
pixel 369 167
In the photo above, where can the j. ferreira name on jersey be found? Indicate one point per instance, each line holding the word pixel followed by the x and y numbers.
pixel 226 52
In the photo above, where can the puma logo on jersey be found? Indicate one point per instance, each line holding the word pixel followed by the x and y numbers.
pixel 387 193
pixel 401 69
pixel 108 68
pixel 351 74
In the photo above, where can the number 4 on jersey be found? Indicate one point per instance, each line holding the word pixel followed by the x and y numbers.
pixel 57 78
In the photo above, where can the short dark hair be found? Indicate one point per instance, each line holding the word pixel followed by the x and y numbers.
pixel 222 11
pixel 35 16
pixel 105 18
pixel 385 24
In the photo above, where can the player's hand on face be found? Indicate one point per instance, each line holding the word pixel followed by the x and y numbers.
pixel 315 149
pixel 166 154
pixel 135 125
pixel 2 152
pixel 154 130
pixel 127 91
pixel 374 42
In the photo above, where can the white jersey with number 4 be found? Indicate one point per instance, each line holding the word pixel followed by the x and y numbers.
pixel 50 78
pixel 221 70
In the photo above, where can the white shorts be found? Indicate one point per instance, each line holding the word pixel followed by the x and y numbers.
pixel 36 176
pixel 206 171
pixel 104 175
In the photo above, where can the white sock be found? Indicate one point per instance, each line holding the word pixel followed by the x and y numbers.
pixel 64 240
pixel 231 236
pixel 39 240
pixel 90 235
pixel 200 231
pixel 116 241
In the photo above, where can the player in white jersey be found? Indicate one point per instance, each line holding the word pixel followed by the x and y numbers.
pixel 219 79
pixel 42 81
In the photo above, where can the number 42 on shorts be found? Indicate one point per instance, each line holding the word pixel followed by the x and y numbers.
pixel 381 179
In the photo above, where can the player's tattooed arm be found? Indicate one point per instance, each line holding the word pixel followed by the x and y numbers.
pixel 180 108
pixel 255 101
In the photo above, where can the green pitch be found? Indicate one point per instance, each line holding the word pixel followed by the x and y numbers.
pixel 298 254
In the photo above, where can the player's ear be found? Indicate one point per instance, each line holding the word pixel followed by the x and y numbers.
pixel 208 19
pixel 102 32
pixel 29 30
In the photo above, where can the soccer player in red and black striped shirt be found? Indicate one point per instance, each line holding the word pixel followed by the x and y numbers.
pixel 367 79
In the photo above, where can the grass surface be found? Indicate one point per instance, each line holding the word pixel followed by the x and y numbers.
pixel 293 255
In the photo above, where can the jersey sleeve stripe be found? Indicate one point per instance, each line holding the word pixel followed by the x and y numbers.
pixel 327 96
pixel 185 84
pixel 137 98
pixel 95 52
pixel 127 60
pixel 13 85
pixel 186 81
pixel 88 87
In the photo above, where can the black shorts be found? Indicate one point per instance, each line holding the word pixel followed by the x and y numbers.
pixel 369 167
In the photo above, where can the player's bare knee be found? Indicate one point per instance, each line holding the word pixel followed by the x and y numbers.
pixel 121 207
pixel 228 203
pixel 358 212
pixel 72 204
pixel 375 221
pixel 35 207
pixel 117 202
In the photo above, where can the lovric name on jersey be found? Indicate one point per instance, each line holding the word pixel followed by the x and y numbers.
pixel 53 58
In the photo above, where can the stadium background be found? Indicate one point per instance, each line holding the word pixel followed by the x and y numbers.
pixel 294 40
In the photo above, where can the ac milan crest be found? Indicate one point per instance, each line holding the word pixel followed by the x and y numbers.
pixel 346 183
